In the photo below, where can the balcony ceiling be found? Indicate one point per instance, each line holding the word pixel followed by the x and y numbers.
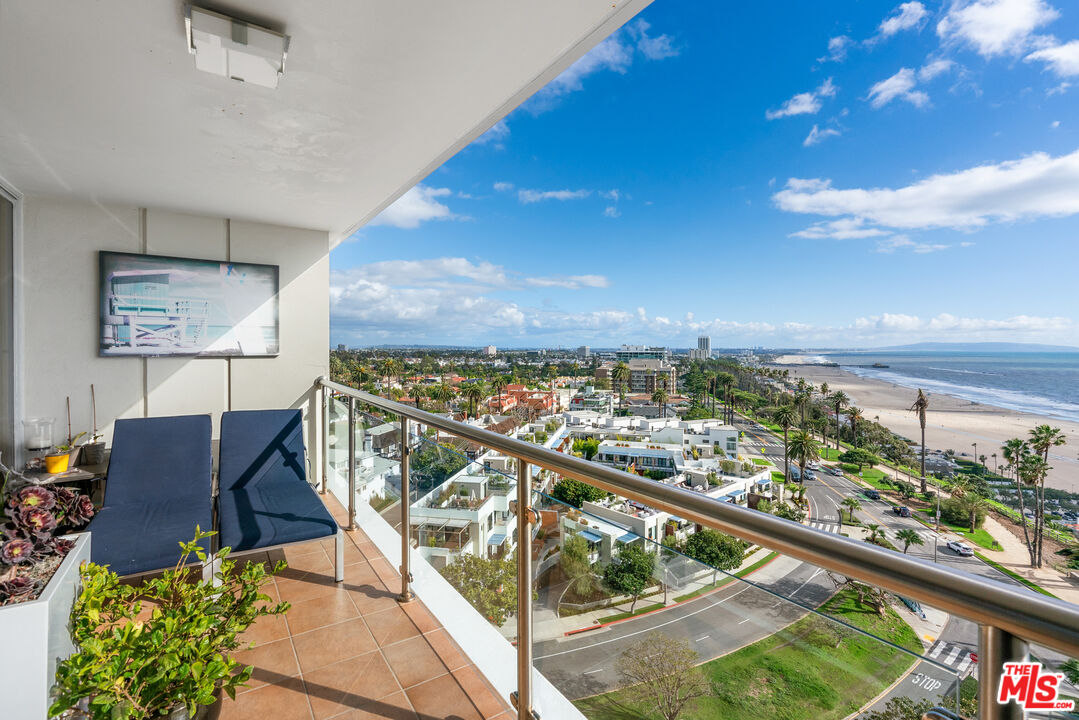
pixel 102 100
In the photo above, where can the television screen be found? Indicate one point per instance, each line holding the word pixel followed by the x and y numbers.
pixel 154 306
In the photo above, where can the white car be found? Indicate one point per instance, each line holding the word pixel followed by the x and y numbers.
pixel 813 466
pixel 960 548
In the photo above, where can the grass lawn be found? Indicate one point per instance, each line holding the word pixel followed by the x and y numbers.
pixel 813 668
pixel 1015 576
pixel 760 461
pixel 778 477
pixel 830 454
pixel 979 537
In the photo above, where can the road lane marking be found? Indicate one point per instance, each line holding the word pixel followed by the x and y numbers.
pixel 952 655
pixel 744 621
pixel 936 650
pixel 702 637
pixel 965 664
pixel 639 632
pixel 593 672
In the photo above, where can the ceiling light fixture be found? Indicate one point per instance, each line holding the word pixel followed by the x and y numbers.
pixel 235 49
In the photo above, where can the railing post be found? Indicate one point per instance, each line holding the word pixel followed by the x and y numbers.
pixel 996 647
pixel 406 525
pixel 327 398
pixel 351 463
pixel 524 591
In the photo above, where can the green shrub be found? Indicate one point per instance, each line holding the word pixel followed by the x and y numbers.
pixel 179 655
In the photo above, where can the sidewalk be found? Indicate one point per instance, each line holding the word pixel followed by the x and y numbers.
pixel 546 625
pixel 1015 557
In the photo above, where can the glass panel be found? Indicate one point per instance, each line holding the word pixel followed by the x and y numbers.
pixel 620 604
pixel 7 333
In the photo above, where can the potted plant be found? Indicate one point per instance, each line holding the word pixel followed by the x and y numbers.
pixel 39 575
pixel 93 452
pixel 176 658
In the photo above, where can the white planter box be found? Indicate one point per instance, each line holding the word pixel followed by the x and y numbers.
pixel 35 637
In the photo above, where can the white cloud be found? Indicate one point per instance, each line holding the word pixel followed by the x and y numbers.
pixel 614 54
pixel 503 186
pixel 807 103
pixel 995 27
pixel 653 48
pixel 612 194
pixel 416 206
pixel 1055 124
pixel 611 212
pixel 1035 186
pixel 934 68
pixel 1063 60
pixel 817 135
pixel 901 85
pixel 528 197
pixel 837 49
pixel 1058 90
pixel 495 135
pixel 902 242
pixel 906 16
pixel 842 229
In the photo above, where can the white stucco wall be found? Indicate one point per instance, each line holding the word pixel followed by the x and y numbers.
pixel 61 239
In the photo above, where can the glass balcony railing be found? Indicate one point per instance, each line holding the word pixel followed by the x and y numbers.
pixel 651 599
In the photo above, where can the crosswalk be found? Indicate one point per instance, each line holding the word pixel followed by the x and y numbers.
pixel 956 657
pixel 825 526
pixel 890 533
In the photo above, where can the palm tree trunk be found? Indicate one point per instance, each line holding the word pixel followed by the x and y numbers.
pixel 786 457
pixel 923 459
pixel 1023 518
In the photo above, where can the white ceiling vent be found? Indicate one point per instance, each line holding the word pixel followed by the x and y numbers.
pixel 235 49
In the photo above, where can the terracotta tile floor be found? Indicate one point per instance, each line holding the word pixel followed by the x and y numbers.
pixel 350 651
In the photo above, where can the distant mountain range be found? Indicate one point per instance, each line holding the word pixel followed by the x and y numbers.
pixel 979 347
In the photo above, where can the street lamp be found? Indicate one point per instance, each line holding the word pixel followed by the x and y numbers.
pixel 975 453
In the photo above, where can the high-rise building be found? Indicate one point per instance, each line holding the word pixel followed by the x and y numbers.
pixel 584 351
pixel 704 343
pixel 642 352
pixel 490 350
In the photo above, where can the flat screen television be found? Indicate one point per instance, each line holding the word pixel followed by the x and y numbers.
pixel 156 306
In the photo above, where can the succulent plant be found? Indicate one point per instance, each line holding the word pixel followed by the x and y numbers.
pixel 32 520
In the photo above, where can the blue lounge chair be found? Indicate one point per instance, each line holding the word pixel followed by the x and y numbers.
pixel 264 500
pixel 158 488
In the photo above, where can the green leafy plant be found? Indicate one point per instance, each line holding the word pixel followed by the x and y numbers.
pixel 130 666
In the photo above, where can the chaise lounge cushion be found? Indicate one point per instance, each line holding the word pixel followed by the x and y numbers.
pixel 265 499
pixel 136 538
pixel 158 489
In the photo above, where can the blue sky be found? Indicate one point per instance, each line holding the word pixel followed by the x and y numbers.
pixel 764 173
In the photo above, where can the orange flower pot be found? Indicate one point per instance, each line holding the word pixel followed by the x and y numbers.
pixel 56 463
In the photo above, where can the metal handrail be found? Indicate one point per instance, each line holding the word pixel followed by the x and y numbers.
pixel 1036 618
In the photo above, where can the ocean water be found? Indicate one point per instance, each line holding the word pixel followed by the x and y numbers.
pixel 1039 383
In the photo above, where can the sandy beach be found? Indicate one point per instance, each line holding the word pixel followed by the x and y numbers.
pixel 952 423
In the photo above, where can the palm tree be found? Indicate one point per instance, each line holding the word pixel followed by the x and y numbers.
pixel 713 384
pixel 1016 454
pixel 838 399
pixel 474 393
pixel 498 384
pixel 921 404
pixel 851 504
pixel 909 537
pixel 1042 438
pixel 443 392
pixel 824 391
pixel 801 397
pixel 727 381
pixel 803 448
pixel 620 374
pixel 784 418
pixel 798 495
pixel 659 397
pixel 854 414
pixel 875 535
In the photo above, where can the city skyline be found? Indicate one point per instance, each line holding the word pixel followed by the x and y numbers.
pixel 883 175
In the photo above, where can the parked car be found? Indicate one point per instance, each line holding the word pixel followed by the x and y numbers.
pixel 901 510
pixel 796 474
pixel 872 494
pixel 960 548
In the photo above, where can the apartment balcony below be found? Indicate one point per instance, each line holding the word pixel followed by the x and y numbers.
pixel 350 650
